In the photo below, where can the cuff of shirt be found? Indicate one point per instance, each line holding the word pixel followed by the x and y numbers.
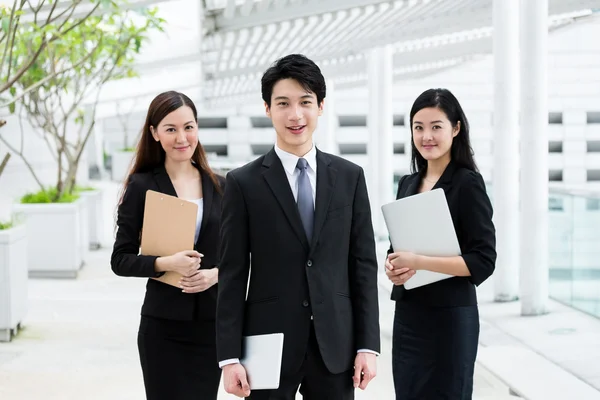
pixel 228 362
pixel 367 351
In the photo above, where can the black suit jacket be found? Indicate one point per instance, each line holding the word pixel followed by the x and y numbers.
pixel 471 212
pixel 333 278
pixel 162 300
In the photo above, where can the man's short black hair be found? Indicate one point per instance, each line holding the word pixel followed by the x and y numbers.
pixel 296 67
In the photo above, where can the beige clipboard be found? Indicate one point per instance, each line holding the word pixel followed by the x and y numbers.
pixel 169 227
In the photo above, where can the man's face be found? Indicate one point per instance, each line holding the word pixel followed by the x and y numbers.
pixel 294 113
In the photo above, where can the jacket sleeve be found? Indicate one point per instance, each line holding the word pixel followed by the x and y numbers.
pixel 363 271
pixel 125 259
pixel 478 244
pixel 233 272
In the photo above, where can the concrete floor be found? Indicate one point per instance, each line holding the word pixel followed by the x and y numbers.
pixel 79 342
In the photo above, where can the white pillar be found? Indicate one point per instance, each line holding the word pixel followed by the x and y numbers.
pixel 505 178
pixel 386 140
pixel 327 138
pixel 534 157
pixel 239 148
pixel 381 144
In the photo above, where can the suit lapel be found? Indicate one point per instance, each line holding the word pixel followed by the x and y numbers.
pixel 326 175
pixel 277 180
pixel 163 181
pixel 166 186
pixel 208 191
pixel 444 181
pixel 413 185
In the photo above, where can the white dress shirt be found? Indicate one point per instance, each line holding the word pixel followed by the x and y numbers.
pixel 289 162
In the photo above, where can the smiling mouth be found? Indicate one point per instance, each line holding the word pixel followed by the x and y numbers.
pixel 182 148
pixel 297 128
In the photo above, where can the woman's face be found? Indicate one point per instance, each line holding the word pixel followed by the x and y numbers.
pixel 433 133
pixel 177 134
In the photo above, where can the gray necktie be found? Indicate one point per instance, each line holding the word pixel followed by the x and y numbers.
pixel 305 198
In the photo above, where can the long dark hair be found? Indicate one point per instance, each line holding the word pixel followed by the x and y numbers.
pixel 149 153
pixel 461 151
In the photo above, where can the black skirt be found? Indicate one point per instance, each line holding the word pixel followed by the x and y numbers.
pixel 434 351
pixel 179 359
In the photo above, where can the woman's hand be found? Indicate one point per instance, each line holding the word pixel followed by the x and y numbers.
pixel 400 267
pixel 403 259
pixel 185 263
pixel 200 281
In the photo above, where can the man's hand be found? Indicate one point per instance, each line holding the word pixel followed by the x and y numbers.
pixel 235 381
pixel 200 281
pixel 365 369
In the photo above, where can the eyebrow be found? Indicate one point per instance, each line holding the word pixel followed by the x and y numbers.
pixel 189 122
pixel 432 122
pixel 306 96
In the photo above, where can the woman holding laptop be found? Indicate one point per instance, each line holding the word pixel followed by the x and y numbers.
pixel 176 338
pixel 436 326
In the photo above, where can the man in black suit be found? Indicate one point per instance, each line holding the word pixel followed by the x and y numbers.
pixel 304 218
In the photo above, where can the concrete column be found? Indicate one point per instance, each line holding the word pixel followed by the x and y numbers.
pixel 328 126
pixel 505 176
pixel 238 143
pixel 381 144
pixel 534 156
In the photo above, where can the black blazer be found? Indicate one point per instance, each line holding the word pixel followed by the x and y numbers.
pixel 471 212
pixel 333 278
pixel 162 300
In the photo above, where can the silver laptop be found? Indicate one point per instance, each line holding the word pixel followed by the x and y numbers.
pixel 262 355
pixel 422 224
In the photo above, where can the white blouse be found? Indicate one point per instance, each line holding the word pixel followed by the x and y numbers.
pixel 200 203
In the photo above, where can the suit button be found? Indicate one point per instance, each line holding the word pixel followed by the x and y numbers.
pixel 305 303
pixel 309 263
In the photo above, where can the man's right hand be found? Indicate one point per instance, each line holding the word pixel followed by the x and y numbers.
pixel 235 381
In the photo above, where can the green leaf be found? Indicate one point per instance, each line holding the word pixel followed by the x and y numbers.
pixel 12 108
pixel 5 24
pixel 12 91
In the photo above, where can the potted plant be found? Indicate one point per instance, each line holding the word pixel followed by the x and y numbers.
pixel 13 278
pixel 92 226
pixel 58 109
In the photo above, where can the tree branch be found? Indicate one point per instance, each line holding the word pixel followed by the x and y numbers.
pixel 22 156
pixel 46 79
pixel 10 23
pixel 4 162
pixel 50 13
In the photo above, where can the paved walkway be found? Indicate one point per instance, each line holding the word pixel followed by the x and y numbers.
pixel 79 339
pixel 79 342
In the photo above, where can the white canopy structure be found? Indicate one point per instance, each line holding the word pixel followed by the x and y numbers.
pixel 227 44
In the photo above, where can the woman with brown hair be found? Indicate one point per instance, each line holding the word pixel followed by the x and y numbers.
pixel 176 339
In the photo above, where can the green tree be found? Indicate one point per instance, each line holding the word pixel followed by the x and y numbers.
pixel 47 21
pixel 99 49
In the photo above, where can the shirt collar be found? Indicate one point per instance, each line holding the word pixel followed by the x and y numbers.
pixel 289 160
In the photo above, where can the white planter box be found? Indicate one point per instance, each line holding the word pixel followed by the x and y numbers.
pixel 95 209
pixel 53 237
pixel 84 230
pixel 121 161
pixel 13 280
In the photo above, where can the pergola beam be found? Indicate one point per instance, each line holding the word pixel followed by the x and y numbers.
pixel 223 21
